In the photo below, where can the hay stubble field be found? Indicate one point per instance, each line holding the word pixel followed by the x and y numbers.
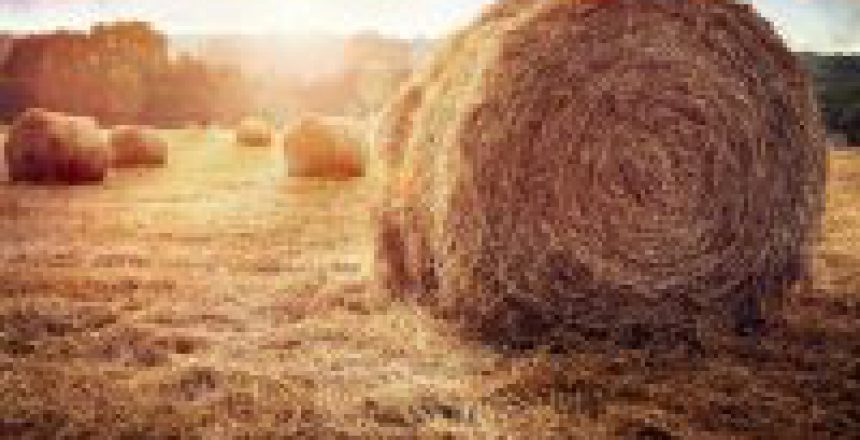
pixel 218 298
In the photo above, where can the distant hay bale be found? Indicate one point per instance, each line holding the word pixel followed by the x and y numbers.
pixel 50 147
pixel 254 133
pixel 318 148
pixel 137 146
pixel 593 169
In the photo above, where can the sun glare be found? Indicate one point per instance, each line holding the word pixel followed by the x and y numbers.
pixel 393 17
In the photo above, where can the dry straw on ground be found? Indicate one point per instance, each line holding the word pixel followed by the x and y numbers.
pixel 54 148
pixel 587 169
pixel 254 133
pixel 137 146
pixel 318 148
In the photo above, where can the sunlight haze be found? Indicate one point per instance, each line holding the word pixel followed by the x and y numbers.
pixel 819 25
pixel 395 17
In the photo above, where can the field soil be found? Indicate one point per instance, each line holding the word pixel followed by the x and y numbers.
pixel 218 298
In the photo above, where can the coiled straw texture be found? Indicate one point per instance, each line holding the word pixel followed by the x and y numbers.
pixel 592 169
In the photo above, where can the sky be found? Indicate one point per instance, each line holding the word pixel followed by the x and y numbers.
pixel 821 25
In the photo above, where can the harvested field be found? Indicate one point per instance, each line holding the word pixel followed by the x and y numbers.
pixel 217 298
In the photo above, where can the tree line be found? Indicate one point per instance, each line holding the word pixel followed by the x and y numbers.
pixel 123 73
pixel 837 84
pixel 120 73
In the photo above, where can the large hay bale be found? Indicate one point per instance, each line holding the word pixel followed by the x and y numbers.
pixel 322 149
pixel 137 146
pixel 254 133
pixel 50 147
pixel 621 169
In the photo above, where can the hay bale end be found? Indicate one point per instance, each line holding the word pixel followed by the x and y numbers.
pixel 254 133
pixel 323 149
pixel 580 168
pixel 47 147
pixel 137 146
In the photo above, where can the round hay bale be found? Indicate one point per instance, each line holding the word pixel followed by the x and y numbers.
pixel 46 147
pixel 591 169
pixel 321 149
pixel 137 146
pixel 254 133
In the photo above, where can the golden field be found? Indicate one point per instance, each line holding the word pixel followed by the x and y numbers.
pixel 217 298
